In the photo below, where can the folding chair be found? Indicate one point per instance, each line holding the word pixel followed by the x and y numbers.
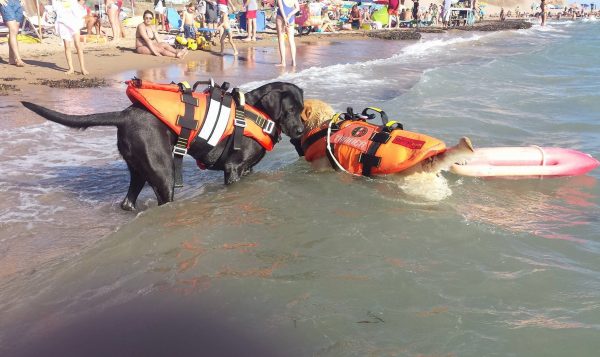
pixel 44 23
pixel 234 23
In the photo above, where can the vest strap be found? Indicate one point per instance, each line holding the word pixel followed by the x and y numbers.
pixel 187 123
pixel 267 125
pixel 370 159
pixel 239 122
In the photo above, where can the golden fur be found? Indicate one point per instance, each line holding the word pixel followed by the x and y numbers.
pixel 315 112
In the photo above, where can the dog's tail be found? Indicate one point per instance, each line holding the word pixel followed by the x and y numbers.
pixel 76 121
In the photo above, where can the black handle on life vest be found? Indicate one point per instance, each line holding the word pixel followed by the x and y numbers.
pixel 210 83
pixel 382 114
pixel 351 115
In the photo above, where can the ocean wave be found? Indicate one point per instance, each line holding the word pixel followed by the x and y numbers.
pixel 361 74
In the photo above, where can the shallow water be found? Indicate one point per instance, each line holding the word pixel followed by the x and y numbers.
pixel 292 262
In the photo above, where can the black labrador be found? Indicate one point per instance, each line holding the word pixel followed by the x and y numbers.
pixel 146 143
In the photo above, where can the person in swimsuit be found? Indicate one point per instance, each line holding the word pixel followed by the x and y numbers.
pixel 543 10
pixel 112 10
pixel 286 16
pixel 224 29
pixel 188 19
pixel 146 40
pixel 12 13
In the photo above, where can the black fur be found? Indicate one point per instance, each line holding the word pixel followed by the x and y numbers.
pixel 146 143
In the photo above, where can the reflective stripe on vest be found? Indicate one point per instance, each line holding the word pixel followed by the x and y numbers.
pixel 164 101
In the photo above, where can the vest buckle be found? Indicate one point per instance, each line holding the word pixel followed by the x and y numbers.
pixel 269 127
pixel 239 122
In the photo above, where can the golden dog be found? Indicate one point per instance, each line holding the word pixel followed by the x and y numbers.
pixel 416 180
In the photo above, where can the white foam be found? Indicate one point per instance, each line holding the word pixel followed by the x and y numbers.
pixel 425 185
pixel 360 73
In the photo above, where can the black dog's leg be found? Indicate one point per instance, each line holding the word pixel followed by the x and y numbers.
pixel 233 172
pixel 240 163
pixel 145 145
pixel 136 184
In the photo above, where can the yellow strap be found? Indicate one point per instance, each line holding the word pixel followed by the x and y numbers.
pixel 378 110
pixel 335 118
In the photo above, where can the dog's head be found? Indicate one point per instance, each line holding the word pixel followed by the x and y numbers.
pixel 315 113
pixel 283 102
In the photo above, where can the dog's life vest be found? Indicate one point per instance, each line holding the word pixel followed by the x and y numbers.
pixel 362 148
pixel 214 116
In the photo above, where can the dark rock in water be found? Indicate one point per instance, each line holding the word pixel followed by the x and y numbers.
pixel 497 25
pixel 10 79
pixel 6 88
pixel 430 30
pixel 395 34
pixel 74 83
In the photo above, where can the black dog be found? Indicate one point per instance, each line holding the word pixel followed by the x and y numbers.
pixel 146 143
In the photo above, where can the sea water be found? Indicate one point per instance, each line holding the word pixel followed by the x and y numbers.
pixel 291 262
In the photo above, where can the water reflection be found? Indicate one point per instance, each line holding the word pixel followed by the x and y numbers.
pixel 547 208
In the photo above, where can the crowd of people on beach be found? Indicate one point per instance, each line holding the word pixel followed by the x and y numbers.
pixel 214 17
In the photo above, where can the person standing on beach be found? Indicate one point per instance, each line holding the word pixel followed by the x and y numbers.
pixel 70 15
pixel 160 10
pixel 286 16
pixel 393 11
pixel 188 18
pixel 12 13
pixel 543 9
pixel 202 12
pixel 415 11
pixel 446 13
pixel 251 7
pixel 211 14
pixel 225 30
pixel 112 10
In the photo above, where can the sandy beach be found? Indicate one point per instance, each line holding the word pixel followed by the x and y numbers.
pixel 46 61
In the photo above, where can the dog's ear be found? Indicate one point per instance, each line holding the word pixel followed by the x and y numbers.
pixel 306 112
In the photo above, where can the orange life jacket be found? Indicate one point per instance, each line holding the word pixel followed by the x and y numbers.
pixel 166 102
pixel 366 149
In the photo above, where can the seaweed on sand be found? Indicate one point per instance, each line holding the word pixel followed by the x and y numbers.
pixel 394 34
pixel 74 83
pixel 6 88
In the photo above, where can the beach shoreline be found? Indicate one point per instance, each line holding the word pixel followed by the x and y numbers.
pixel 46 61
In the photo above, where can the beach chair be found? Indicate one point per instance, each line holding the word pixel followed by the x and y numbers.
pixel 46 22
pixel 234 22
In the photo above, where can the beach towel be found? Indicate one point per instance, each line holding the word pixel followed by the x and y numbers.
pixel 173 18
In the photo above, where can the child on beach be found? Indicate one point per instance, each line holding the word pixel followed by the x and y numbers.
pixel 70 15
pixel 251 7
pixel 188 18
pixel 224 29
